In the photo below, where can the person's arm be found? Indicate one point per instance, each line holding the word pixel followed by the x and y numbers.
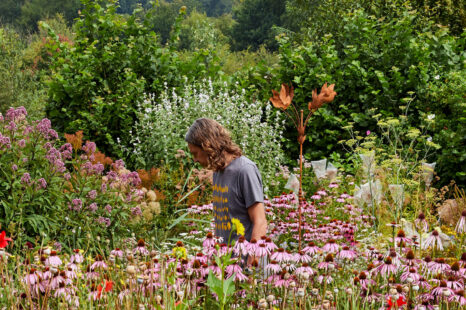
pixel 259 222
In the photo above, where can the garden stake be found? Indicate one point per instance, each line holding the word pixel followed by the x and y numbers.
pixel 282 101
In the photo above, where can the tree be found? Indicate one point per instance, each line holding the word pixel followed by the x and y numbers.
pixel 34 10
pixel 255 20
pixel 10 11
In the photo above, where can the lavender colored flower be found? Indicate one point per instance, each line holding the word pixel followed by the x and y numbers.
pixel 14 167
pixel 26 178
pixel 5 142
pixel 92 194
pixel 89 147
pixel 93 207
pixel 108 208
pixel 22 143
pixel 42 183
pixel 104 220
pixel 66 151
pixel 76 204
pixel 136 211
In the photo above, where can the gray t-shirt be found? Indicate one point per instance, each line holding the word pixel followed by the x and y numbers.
pixel 235 189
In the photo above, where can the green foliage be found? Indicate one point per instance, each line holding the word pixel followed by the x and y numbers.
pixel 374 62
pixel 20 81
pixel 33 11
pixel 99 79
pixel 255 19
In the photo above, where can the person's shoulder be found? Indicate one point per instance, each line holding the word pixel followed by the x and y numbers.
pixel 245 163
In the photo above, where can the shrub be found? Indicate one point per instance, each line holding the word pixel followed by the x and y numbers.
pixel 61 191
pixel 98 81
pixel 162 124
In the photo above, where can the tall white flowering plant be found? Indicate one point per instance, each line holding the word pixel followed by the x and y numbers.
pixel 163 122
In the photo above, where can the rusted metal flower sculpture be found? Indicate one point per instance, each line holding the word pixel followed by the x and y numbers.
pixel 282 101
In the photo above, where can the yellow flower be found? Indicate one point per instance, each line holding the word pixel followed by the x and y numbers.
pixel 238 225
pixel 179 252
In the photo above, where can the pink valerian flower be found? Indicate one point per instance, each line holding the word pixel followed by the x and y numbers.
pixel 237 271
pixel 26 179
pixel 104 221
pixel 42 184
pixel 461 225
pixel 331 247
pixel 99 263
pixel 16 115
pixel 89 147
pixel 76 204
pixel 347 253
pixel 53 260
pixel 433 240
pixel 93 207
pixel 92 194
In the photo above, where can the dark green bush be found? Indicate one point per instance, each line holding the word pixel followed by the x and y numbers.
pixel 98 80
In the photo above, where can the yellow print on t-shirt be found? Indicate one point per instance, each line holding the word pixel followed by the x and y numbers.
pixel 221 214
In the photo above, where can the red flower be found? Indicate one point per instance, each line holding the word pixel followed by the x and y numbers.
pixel 108 288
pixel 400 302
pixel 4 240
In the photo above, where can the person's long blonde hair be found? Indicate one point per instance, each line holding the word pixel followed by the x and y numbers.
pixel 213 139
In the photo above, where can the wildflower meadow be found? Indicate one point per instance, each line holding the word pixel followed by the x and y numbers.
pixel 353 112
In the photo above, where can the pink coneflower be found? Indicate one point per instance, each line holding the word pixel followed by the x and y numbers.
pixel 364 281
pixel 347 253
pixel 458 297
pixel 273 267
pixel 31 278
pixel 209 241
pixel 215 269
pixel 270 245
pixel 441 288
pixel 322 193
pixel 99 263
pixel 328 263
pixel 386 268
pixel 410 276
pixel 396 258
pixel 423 283
pixel 401 238
pixel 439 266
pixel 333 185
pixel 330 247
pixel 302 257
pixel 141 248
pixel 311 249
pixel 421 222
pixel 454 283
pixel 237 271
pixel 53 260
pixel 280 255
pixel 117 253
pixel 315 197
pixel 76 258
pixel 433 240
pixel 62 292
pixel 461 225
pixel 324 278
pixel 305 268
pixel 259 250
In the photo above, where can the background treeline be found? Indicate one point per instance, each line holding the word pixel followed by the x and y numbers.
pixel 87 65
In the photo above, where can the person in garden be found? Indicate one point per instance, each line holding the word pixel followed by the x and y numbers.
pixel 237 183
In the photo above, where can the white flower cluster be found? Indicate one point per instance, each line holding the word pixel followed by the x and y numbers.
pixel 163 122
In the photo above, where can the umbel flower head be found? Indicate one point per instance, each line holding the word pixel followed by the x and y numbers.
pixel 327 94
pixel 283 99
